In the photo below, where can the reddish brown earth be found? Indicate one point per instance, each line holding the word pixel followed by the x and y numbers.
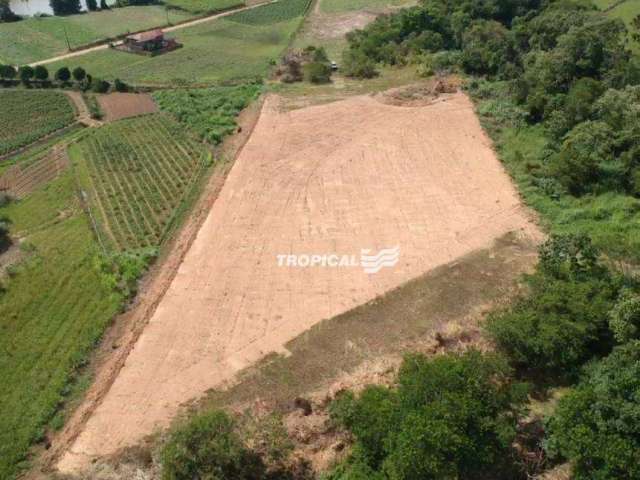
pixel 117 106
pixel 330 179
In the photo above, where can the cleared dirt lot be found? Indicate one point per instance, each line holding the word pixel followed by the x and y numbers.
pixel 329 179
pixel 117 106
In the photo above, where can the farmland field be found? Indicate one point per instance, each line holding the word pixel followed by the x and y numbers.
pixel 204 6
pixel 36 39
pixel 138 171
pixel 237 47
pixel 27 115
pixel 52 312
pixel 340 6
pixel 210 112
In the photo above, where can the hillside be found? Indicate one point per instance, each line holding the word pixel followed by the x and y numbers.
pixel 322 240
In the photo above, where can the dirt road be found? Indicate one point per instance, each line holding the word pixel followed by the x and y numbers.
pixel 190 23
pixel 334 179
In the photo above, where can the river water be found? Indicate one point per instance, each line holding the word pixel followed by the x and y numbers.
pixel 31 7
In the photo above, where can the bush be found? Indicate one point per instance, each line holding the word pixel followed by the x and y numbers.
pixel 486 48
pixel 41 73
pixel 452 416
pixel 596 425
pixel 79 74
pixel 317 72
pixel 208 447
pixel 120 86
pixel 358 65
pixel 121 271
pixel 563 321
pixel 63 74
pixel 26 73
pixel 7 72
pixel 100 86
pixel 625 317
pixel 585 152
pixel 5 239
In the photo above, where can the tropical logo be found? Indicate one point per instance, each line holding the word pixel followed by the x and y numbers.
pixel 383 259
pixel 370 262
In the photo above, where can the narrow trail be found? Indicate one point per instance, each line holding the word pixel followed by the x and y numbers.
pixel 84 116
pixel 190 23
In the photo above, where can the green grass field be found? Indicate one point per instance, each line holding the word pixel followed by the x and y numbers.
pixel 36 39
pixel 234 48
pixel 54 309
pixel 342 6
pixel 204 6
pixel 27 115
pixel 137 172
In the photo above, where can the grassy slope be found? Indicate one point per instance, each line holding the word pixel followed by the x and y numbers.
pixel 51 314
pixel 611 219
pixel 341 6
pixel 204 6
pixel 35 39
pixel 221 50
pixel 27 115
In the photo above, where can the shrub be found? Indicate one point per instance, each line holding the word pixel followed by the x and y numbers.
pixel 208 446
pixel 486 47
pixel 451 416
pixel 317 72
pixel 625 318
pixel 120 86
pixel 5 239
pixel 79 74
pixel 63 74
pixel 121 271
pixel 7 72
pixel 41 73
pixel 563 320
pixel 26 73
pixel 100 86
pixel 596 425
pixel 358 65
pixel 583 156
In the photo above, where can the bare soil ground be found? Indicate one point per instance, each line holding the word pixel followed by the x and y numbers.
pixel 117 106
pixel 438 312
pixel 337 178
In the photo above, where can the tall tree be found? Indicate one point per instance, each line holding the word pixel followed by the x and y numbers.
pixel 6 14
pixel 65 7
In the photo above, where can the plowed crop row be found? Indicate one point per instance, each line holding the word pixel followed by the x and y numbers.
pixel 27 115
pixel 139 171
